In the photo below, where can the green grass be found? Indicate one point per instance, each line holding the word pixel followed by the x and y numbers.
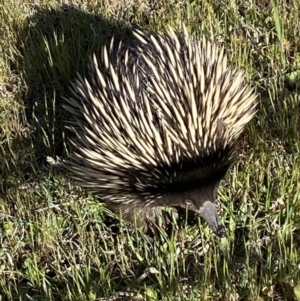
pixel 55 240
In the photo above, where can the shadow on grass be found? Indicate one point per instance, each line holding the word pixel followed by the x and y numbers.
pixel 54 45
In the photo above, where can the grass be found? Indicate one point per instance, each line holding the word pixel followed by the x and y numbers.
pixel 55 240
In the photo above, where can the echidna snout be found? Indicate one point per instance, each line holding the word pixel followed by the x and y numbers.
pixel 209 212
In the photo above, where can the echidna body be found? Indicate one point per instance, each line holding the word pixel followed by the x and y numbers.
pixel 156 124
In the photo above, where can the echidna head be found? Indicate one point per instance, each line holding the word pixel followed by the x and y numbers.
pixel 195 187
pixel 202 201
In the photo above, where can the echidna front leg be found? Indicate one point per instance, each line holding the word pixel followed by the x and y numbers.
pixel 148 217
pixel 159 216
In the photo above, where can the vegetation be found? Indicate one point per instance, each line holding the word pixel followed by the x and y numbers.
pixel 58 243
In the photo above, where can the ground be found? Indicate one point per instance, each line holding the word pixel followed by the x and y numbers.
pixel 56 241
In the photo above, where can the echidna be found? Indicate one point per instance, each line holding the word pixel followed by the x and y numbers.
pixel 156 124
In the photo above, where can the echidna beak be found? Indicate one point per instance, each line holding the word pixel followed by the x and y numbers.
pixel 209 212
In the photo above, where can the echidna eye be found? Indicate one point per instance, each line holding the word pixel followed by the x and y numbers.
pixel 189 203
